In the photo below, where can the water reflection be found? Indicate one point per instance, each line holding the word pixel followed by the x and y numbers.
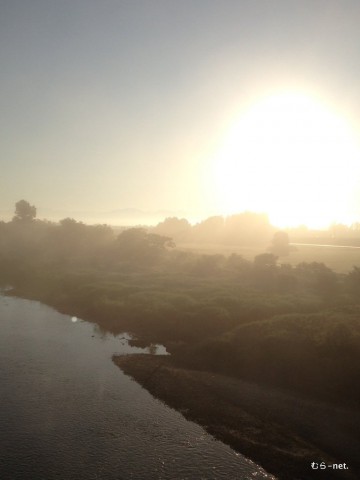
pixel 129 343
pixel 68 412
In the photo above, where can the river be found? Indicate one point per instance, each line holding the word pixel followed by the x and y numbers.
pixel 67 412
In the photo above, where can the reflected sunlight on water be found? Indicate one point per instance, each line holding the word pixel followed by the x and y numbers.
pixel 68 412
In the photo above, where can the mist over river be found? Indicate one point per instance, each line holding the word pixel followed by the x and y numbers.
pixel 67 412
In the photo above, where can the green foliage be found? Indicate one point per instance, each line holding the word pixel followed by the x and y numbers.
pixel 319 278
pixel 316 354
pixel 137 246
pixel 295 327
pixel 265 260
pixel 353 282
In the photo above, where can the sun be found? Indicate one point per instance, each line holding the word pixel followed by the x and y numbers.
pixel 292 157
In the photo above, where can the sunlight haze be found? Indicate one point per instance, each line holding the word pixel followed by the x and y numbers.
pixel 180 239
pixel 202 108
pixel 292 157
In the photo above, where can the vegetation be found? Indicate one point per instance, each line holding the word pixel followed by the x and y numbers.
pixel 296 327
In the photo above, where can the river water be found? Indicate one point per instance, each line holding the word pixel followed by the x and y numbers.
pixel 67 412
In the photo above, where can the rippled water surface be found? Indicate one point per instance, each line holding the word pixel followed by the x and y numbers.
pixel 67 412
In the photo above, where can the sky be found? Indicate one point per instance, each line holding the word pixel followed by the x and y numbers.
pixel 112 104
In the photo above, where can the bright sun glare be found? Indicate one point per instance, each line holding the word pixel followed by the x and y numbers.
pixel 291 157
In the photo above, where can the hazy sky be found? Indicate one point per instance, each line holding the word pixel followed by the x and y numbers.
pixel 114 104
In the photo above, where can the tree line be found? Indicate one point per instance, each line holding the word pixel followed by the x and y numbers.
pixel 293 326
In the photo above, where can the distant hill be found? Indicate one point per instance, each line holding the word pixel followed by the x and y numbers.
pixel 123 216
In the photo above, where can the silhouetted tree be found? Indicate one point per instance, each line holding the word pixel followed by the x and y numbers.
pixel 208 264
pixel 247 227
pixel 135 244
pixel 237 263
pixel 209 230
pixel 265 260
pixel 280 244
pixel 24 211
pixel 176 228
pixel 319 278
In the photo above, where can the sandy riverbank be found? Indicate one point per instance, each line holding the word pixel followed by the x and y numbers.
pixel 283 434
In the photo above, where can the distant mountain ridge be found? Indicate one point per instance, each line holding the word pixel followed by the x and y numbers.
pixel 122 216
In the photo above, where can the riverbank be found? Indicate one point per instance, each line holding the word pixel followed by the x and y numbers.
pixel 283 434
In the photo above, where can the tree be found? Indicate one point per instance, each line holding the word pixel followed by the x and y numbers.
pixel 176 228
pixel 247 228
pixel 24 211
pixel 237 263
pixel 319 277
pixel 265 260
pixel 209 230
pixel 280 244
pixel 209 264
pixel 136 245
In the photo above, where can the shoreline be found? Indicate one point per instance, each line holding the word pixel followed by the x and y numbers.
pixel 258 422
pixel 240 413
